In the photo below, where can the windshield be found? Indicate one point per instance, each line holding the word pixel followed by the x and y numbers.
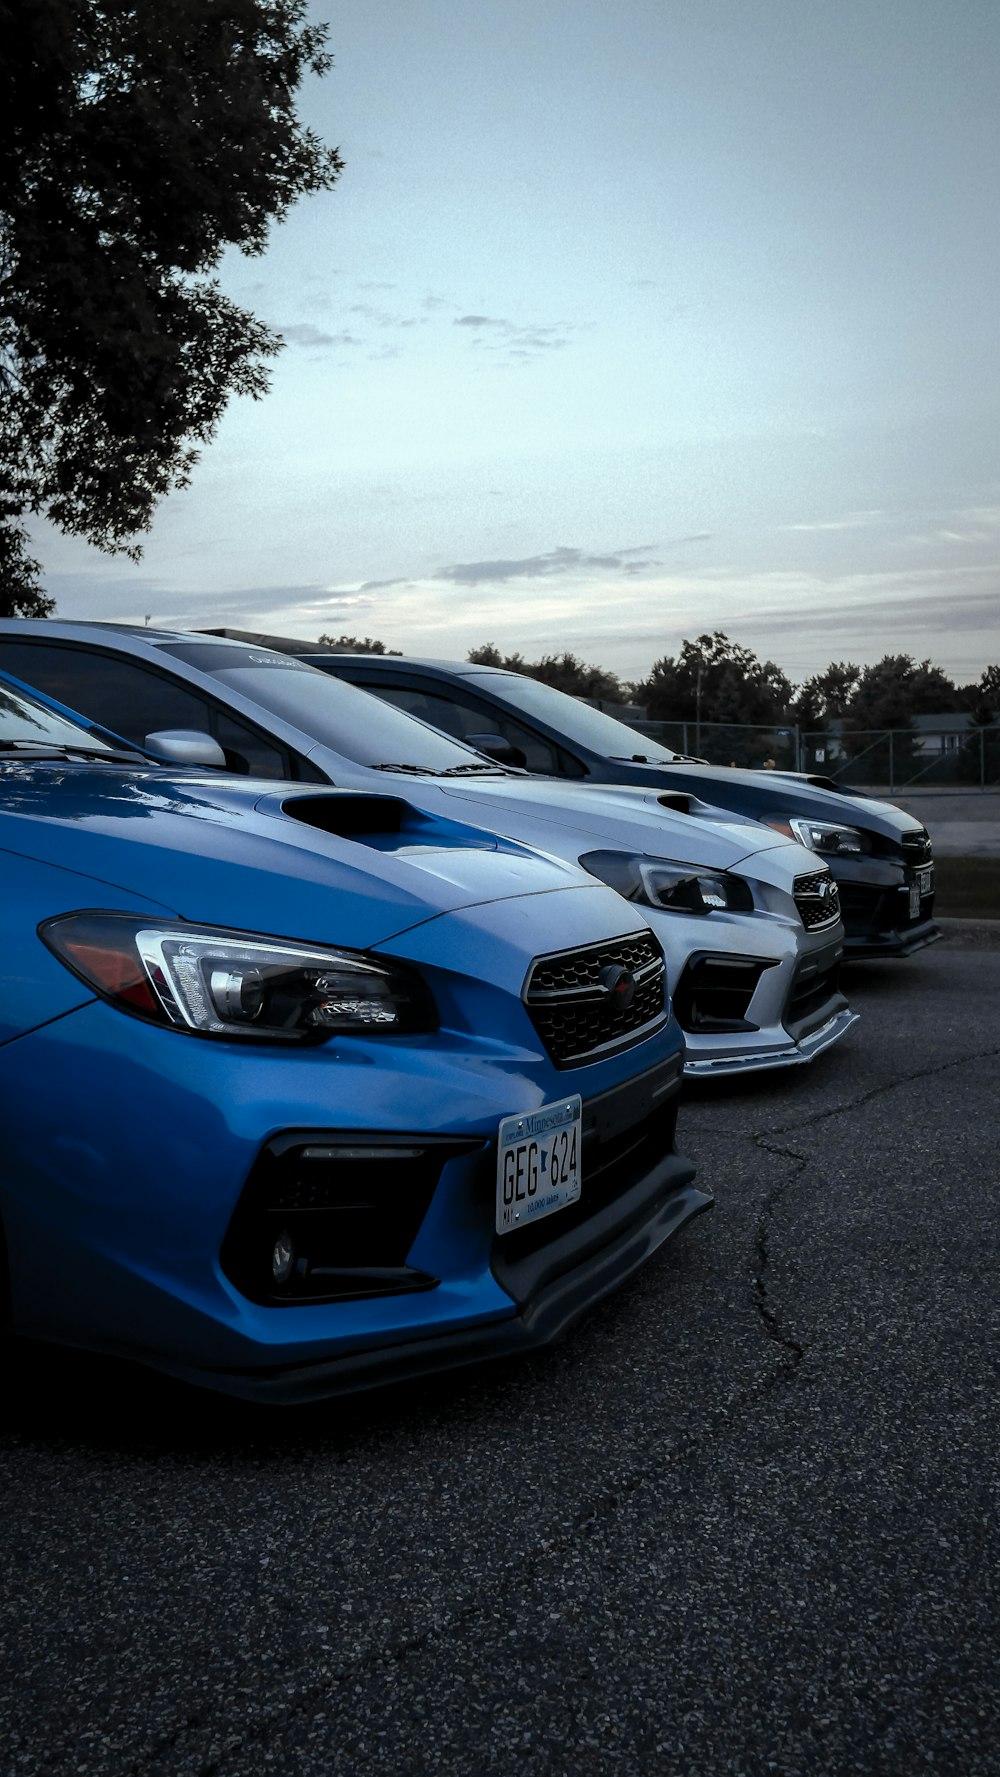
pixel 574 720
pixel 27 726
pixel 351 722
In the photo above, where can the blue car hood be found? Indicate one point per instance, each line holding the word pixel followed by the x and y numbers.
pixel 263 857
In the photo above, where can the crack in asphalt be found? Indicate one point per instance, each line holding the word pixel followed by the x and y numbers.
pixel 604 1506
pixel 767 1142
pixel 762 1250
pixel 863 1098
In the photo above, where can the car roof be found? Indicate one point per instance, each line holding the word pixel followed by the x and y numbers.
pixel 90 629
pixel 458 668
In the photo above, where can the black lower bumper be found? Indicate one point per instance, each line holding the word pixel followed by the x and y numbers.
pixel 645 1218
pixel 901 941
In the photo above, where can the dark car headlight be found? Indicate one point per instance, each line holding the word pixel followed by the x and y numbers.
pixel 671 887
pixel 832 839
pixel 211 982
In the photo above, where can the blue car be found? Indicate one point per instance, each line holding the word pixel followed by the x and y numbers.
pixel 305 1089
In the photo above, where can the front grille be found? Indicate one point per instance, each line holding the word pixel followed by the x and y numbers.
pixel 579 1002
pixel 916 846
pixel 817 900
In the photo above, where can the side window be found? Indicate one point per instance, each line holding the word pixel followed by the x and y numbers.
pixel 134 701
pixel 121 694
pixel 246 751
pixel 461 715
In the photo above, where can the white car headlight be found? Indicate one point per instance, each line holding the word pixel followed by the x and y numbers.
pixel 674 888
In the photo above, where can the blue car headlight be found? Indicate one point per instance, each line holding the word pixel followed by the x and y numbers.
pixel 210 982
pixel 671 887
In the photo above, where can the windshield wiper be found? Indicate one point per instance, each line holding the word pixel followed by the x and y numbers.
pixel 497 770
pixel 52 749
pixel 423 770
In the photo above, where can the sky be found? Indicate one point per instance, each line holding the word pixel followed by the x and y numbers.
pixel 621 325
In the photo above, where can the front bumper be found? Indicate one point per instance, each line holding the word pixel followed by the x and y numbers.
pixel 761 993
pixel 658 1207
pixel 883 911
pixel 127 1150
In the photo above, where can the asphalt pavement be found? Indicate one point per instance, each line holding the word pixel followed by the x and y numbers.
pixel 743 1520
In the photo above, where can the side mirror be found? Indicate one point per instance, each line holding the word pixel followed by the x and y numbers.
pixel 495 747
pixel 186 746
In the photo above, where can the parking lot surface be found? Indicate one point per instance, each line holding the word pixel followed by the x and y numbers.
pixel 743 1520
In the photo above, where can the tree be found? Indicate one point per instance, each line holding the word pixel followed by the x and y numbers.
pixel 826 697
pixel 354 645
pixel 888 696
pixel 718 682
pixel 137 142
pixel 891 693
pixel 564 671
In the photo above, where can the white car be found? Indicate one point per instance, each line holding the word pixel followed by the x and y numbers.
pixel 749 920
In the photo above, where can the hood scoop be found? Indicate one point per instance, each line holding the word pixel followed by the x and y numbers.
pixel 386 823
pixel 677 801
pixel 352 817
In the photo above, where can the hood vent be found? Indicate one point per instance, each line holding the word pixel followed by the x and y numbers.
pixel 352 817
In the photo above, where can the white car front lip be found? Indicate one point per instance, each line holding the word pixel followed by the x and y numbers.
pixel 703 1058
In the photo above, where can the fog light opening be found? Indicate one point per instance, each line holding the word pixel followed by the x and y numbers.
pixel 282 1257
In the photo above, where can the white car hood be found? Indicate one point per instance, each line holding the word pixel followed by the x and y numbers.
pixel 570 821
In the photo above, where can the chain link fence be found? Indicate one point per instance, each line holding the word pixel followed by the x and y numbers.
pixel 876 758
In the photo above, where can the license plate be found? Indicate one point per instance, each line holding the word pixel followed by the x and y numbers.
pixel 538 1163
pixel 921 883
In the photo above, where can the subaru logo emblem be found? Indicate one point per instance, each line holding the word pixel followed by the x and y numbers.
pixel 619 985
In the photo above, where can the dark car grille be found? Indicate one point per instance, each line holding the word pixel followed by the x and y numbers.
pixel 916 846
pixel 573 1005
pixel 817 900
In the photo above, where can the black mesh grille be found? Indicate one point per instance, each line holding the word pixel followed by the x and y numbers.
pixel 573 1004
pixel 817 900
pixel 916 846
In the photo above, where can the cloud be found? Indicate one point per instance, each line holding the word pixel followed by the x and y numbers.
pixel 852 521
pixel 512 338
pixel 537 567
pixel 303 333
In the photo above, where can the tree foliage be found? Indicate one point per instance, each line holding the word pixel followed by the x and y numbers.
pixel 137 143
pixel 826 697
pixel 354 645
pixel 564 671
pixel 891 693
pixel 719 681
